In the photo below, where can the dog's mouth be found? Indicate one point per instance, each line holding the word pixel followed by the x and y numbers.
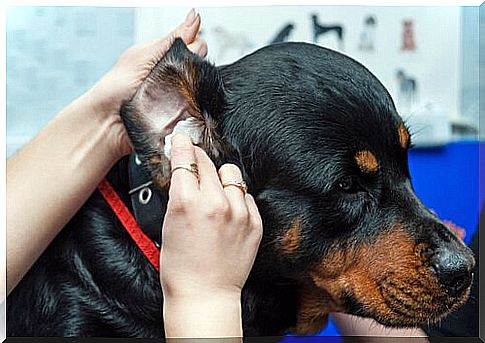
pixel 415 303
pixel 404 303
pixel 397 287
pixel 392 302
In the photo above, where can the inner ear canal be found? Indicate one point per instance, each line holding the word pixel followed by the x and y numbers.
pixel 164 104
pixel 167 98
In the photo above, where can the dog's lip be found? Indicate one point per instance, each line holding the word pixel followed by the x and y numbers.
pixel 397 316
pixel 430 294
pixel 436 307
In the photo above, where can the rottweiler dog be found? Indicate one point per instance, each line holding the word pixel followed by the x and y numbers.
pixel 324 152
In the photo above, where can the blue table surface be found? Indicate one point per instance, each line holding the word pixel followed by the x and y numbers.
pixel 451 181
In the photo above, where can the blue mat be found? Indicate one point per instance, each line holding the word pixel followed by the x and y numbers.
pixel 447 180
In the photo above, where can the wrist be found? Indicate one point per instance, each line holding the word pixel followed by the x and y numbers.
pixel 180 289
pixel 108 120
pixel 213 315
pixel 202 298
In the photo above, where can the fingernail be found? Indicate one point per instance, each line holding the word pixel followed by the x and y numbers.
pixel 190 17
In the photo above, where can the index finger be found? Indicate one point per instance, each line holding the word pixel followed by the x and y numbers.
pixel 209 180
pixel 183 182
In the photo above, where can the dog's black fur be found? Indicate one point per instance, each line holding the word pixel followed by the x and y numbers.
pixel 324 152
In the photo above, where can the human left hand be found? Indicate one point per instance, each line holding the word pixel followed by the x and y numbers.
pixel 133 66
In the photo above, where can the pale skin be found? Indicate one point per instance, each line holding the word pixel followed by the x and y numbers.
pixel 350 325
pixel 208 249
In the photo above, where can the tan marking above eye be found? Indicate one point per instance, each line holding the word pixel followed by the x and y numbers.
pixel 404 136
pixel 290 241
pixel 366 161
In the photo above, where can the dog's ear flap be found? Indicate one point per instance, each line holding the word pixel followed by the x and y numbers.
pixel 182 85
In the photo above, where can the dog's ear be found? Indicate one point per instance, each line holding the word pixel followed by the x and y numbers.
pixel 182 85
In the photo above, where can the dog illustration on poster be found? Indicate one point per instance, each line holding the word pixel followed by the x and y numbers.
pixel 236 43
pixel 408 39
pixel 407 89
pixel 367 36
pixel 321 29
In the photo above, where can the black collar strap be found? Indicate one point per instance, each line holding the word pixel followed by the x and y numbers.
pixel 148 202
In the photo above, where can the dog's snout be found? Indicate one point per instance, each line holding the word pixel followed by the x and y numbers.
pixel 453 270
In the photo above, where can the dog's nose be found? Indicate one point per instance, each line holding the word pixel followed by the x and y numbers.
pixel 453 269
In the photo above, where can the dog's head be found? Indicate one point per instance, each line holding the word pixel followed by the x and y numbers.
pixel 325 154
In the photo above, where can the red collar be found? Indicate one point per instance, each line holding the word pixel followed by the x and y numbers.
pixel 146 245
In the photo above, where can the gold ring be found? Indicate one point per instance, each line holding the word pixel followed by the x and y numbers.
pixel 239 184
pixel 192 168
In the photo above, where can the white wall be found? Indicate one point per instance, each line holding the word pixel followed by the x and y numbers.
pixel 54 54
pixel 435 63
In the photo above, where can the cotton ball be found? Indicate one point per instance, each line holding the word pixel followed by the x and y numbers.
pixel 191 127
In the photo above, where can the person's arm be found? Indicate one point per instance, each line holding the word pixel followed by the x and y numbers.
pixel 210 237
pixel 350 325
pixel 51 177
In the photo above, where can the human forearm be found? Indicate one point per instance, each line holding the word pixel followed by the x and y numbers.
pixel 203 316
pixel 350 325
pixel 55 173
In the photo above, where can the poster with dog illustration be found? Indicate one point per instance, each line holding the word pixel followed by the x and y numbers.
pixel 383 39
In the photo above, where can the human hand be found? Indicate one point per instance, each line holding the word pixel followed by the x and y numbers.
pixel 133 66
pixel 368 329
pixel 210 238
pixel 210 233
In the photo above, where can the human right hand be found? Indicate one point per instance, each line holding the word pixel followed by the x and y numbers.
pixel 210 238
pixel 211 232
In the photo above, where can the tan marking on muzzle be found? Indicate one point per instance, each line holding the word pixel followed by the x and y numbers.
pixel 387 276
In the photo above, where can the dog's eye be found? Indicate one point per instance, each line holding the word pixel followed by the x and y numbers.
pixel 349 184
